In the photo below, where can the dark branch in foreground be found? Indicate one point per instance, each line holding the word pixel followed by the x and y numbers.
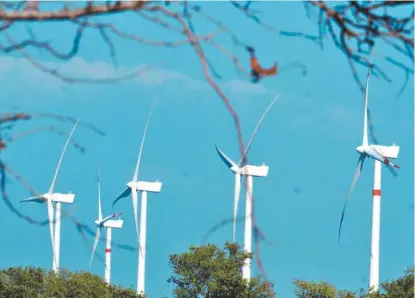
pixel 356 27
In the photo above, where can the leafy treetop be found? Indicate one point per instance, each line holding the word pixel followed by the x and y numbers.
pixel 211 272
pixel 32 282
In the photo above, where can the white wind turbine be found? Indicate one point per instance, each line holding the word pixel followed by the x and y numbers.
pixel 107 222
pixel 57 198
pixel 249 171
pixel 132 188
pixel 380 154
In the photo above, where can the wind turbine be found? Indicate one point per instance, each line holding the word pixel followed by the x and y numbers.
pixel 58 198
pixel 132 188
pixel 249 171
pixel 109 223
pixel 380 154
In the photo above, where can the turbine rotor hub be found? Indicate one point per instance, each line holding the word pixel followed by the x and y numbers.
pixel 361 149
pixel 48 196
pixel 236 170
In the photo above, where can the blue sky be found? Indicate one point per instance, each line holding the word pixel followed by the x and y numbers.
pixel 308 140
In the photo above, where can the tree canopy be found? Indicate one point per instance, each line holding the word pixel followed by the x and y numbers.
pixel 206 271
pixel 211 272
pixel 30 282
pixel 402 287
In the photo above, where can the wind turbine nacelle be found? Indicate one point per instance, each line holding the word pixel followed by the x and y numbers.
pixel 148 186
pixel 255 171
pixel 114 223
pixel 66 198
pixel 390 152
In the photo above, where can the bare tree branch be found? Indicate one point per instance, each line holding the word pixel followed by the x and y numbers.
pixel 356 27
pixel 66 14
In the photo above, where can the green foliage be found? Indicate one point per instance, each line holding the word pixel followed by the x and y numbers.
pixel 33 282
pixel 307 289
pixel 402 287
pixel 205 271
pixel 345 294
pixel 209 271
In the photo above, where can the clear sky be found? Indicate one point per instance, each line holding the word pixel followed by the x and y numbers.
pixel 308 140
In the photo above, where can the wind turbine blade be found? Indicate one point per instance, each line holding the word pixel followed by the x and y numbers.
pixel 142 141
pixel 124 194
pixel 236 202
pixel 257 127
pixel 99 198
pixel 356 176
pixel 50 217
pixel 60 160
pixel 229 162
pixel 370 127
pixel 134 196
pixel 95 246
pixel 365 141
pixel 392 168
pixel 36 199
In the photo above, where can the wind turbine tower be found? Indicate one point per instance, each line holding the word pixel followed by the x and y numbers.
pixel 53 197
pixel 144 187
pixel 380 154
pixel 109 223
pixel 249 171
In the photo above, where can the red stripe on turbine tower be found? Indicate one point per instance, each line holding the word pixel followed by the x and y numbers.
pixel 108 250
pixel 376 192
